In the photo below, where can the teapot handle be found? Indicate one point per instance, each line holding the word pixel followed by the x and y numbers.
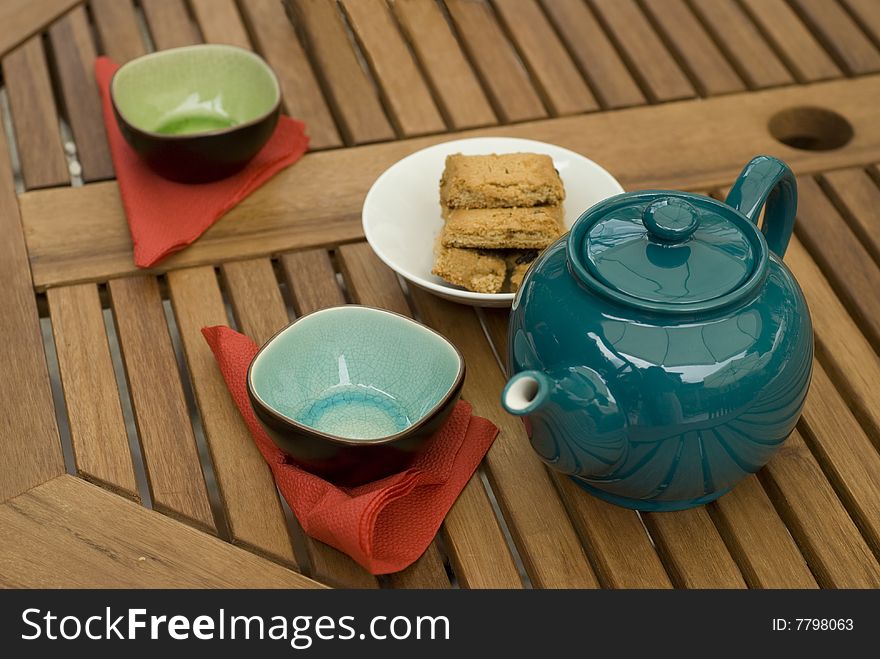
pixel 767 179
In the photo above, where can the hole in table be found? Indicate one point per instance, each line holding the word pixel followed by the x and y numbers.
pixel 810 128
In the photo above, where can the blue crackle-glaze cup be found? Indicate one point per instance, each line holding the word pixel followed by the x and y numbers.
pixel 352 392
pixel 662 351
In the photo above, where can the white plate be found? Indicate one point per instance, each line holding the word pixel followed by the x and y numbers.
pixel 402 210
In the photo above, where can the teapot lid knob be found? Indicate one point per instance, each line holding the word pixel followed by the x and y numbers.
pixel 671 219
pixel 667 251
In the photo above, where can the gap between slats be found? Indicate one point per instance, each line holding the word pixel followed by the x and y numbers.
pixel 164 17
pixel 511 90
pixel 794 43
pixel 119 386
pixel 453 83
pixel 162 14
pixel 93 411
pixel 167 437
pixel 260 312
pixel 647 58
pixel 629 549
pixel 35 115
pixel 739 39
pixel 447 536
pixel 740 517
pixel 562 87
pixel 217 509
pixel 403 87
pixel 467 522
pixel 341 71
pixel 780 478
pixel 840 34
pixel 610 564
pixel 698 56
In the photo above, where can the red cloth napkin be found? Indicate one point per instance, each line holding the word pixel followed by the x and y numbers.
pixel 165 216
pixel 384 525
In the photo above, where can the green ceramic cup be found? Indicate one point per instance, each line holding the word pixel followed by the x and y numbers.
pixel 352 392
pixel 197 113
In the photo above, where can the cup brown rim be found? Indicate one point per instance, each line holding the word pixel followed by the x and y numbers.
pixel 207 133
pixel 453 390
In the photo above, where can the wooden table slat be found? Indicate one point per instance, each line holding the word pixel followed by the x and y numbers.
pixel 867 14
pixel 502 73
pixel 594 53
pixel 795 44
pixel 21 19
pixel 740 40
pixel 428 571
pixel 30 447
pixel 245 484
pixel 166 434
pixel 693 550
pixel 256 301
pixel 170 24
pixel 67 533
pixel 563 87
pixel 220 22
pixel 751 528
pixel 275 36
pixel 649 59
pixel 846 452
pixel 628 561
pixel 405 68
pixel 843 259
pixel 455 84
pixel 34 116
pixel 260 312
pixel 843 37
pixel 337 63
pixel 615 538
pixel 117 28
pixel 758 538
pixel 713 74
pixel 369 283
pixel 74 56
pixel 312 281
pixel 478 552
pixel 524 489
pixel 480 560
pixel 844 351
pixel 94 411
pixel 277 41
pixel 310 273
pixel 406 93
pixel 818 521
pixel 311 205
pixel 857 195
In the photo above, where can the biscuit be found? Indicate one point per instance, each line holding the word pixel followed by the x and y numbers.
pixel 475 270
pixel 502 228
pixel 493 181
pixel 518 263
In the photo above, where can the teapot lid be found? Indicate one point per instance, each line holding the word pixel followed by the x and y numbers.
pixel 667 251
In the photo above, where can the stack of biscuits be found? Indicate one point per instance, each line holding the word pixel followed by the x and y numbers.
pixel 500 211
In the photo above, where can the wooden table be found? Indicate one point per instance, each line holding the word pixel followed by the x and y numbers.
pixel 123 461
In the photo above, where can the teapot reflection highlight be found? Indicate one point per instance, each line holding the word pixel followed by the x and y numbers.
pixel 662 351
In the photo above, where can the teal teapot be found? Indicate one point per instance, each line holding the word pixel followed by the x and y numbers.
pixel 662 351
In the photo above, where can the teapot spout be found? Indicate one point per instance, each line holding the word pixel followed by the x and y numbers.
pixel 576 424
pixel 526 392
